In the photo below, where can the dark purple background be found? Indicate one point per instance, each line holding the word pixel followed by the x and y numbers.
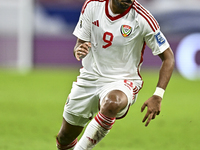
pixel 59 51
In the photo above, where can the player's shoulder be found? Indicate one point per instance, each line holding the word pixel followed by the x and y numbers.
pixel 145 17
pixel 91 4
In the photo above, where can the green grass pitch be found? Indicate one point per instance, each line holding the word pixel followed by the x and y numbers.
pixel 31 108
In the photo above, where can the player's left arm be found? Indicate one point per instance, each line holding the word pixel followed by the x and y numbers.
pixel 154 103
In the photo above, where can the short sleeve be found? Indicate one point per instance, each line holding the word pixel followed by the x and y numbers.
pixel 83 27
pixel 156 41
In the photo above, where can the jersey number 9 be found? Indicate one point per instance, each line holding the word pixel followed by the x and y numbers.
pixel 107 38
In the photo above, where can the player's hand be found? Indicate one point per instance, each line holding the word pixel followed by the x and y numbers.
pixel 154 106
pixel 82 50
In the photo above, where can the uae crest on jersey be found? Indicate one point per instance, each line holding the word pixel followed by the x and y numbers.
pixel 126 30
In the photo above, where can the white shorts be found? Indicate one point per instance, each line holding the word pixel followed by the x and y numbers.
pixel 83 101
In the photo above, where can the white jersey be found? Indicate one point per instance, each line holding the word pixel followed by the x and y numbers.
pixel 118 41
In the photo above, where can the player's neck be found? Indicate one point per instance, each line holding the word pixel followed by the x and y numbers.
pixel 114 8
pixel 118 7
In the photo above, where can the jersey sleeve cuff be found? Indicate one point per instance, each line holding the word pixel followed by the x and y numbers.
pixel 80 37
pixel 162 49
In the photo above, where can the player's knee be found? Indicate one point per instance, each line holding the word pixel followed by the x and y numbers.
pixel 112 106
pixel 113 103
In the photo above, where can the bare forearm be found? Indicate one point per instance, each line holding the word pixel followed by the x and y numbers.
pixel 154 102
pixel 78 43
pixel 166 69
pixel 81 49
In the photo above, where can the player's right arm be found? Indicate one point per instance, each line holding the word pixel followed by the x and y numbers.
pixel 81 49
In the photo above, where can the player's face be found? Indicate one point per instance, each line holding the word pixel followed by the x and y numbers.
pixel 123 4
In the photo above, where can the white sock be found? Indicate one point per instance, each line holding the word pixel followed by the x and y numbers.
pixel 96 130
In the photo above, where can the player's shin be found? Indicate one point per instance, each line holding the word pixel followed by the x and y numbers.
pixel 66 147
pixel 96 130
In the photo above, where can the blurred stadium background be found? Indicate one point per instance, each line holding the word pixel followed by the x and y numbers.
pixel 35 33
pixel 36 37
pixel 39 33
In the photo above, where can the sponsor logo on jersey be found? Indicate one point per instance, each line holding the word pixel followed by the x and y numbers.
pixel 160 39
pixel 96 23
pixel 126 30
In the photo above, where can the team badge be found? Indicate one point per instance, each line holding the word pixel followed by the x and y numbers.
pixel 126 30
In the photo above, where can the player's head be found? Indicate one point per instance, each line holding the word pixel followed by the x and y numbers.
pixel 123 4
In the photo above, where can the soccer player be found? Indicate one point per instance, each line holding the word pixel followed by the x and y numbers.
pixel 111 38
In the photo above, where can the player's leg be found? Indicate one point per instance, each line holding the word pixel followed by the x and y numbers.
pixel 76 114
pixel 67 136
pixel 111 105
